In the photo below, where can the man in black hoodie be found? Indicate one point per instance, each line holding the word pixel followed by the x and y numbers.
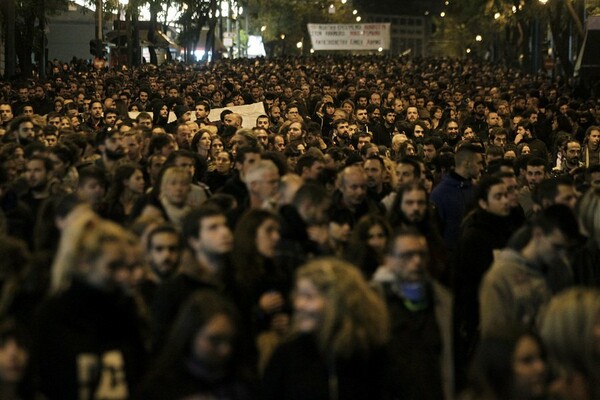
pixel 303 226
pixel 485 229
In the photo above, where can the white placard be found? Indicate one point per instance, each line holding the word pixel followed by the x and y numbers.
pixel 249 113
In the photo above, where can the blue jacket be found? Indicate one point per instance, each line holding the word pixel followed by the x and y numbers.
pixel 452 197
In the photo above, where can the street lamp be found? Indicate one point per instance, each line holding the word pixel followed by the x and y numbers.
pixel 478 38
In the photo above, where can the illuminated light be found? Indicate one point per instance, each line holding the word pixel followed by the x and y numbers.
pixel 358 19
pixel 354 12
pixel 514 9
pixel 380 49
pixel 344 1
pixel 447 3
pixel 478 38
pixel 426 12
pixel 331 9
pixel 282 36
pixel 497 15
pixel 312 51
pixel 442 14
pixel 299 45
pixel 468 51
pixel 263 28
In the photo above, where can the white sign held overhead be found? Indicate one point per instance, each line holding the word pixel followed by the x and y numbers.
pixel 350 36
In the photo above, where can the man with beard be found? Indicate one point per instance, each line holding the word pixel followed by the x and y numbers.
pixel 38 175
pixel 535 173
pixel 361 115
pixel 591 150
pixel 163 254
pixel 202 110
pixel 95 122
pixel 41 103
pixel 209 241
pixel 412 114
pixel 341 134
pixel 526 134
pixel 411 209
pixel 21 130
pixel 477 120
pixel 383 133
pixel 450 132
pixel 110 144
pixel 571 153
pixel 377 189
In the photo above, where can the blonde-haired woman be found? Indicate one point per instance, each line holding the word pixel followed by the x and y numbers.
pixel 586 262
pixel 339 329
pixel 88 341
pixel 170 204
pixel 571 332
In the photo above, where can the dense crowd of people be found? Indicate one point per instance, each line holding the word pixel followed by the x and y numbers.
pixel 387 229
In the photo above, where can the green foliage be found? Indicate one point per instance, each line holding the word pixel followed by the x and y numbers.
pixel 289 17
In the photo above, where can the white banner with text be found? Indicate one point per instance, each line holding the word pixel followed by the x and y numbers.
pixel 350 36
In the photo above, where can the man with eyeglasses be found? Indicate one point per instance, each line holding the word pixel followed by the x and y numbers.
pixel 420 356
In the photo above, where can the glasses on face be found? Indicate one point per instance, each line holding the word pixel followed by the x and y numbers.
pixel 408 255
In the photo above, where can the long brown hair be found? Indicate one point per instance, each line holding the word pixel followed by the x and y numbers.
pixel 356 318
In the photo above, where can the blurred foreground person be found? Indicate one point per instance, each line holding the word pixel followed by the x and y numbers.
pixel 511 365
pixel 87 340
pixel 197 361
pixel 571 331
pixel 339 329
pixel 15 372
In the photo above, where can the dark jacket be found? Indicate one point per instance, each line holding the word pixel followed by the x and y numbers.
pixel 87 344
pixel 481 234
pixel 298 371
pixel 294 247
pixel 586 265
pixel 452 197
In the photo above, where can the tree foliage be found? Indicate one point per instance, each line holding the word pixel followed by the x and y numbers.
pixel 29 16
pixel 514 31
pixel 285 21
